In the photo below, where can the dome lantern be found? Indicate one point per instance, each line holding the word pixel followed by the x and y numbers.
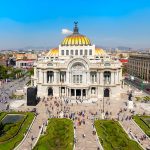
pixel 76 39
pixel 76 29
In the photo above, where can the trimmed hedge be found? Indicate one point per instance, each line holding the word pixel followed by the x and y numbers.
pixel 59 135
pixel 12 141
pixel 11 130
pixel 113 137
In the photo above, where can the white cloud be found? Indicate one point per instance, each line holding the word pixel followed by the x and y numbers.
pixel 66 31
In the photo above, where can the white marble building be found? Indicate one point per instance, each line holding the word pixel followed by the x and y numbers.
pixel 77 69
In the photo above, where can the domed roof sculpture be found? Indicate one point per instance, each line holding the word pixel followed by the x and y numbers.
pixel 53 52
pixel 99 51
pixel 76 39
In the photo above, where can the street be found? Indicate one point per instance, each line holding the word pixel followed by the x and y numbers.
pixel 7 89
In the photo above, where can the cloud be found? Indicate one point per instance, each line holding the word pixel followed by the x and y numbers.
pixel 66 31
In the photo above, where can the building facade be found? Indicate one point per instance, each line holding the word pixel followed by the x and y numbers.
pixel 77 69
pixel 25 60
pixel 139 66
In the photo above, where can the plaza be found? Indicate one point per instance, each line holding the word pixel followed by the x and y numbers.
pixel 52 107
pixel 83 113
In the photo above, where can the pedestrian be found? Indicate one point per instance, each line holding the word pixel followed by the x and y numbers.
pixel 32 138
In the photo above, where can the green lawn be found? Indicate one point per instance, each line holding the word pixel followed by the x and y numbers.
pixel 14 133
pixel 59 135
pixel 113 137
pixel 143 122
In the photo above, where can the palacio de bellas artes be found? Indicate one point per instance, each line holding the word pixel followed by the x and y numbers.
pixel 77 69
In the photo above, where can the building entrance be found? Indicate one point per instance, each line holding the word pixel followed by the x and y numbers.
pixel 106 93
pixel 84 92
pixel 72 92
pixel 50 92
pixel 78 92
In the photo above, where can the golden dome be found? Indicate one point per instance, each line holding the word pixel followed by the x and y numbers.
pixel 99 51
pixel 53 52
pixel 76 39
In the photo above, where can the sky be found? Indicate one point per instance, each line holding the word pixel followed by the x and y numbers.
pixel 109 23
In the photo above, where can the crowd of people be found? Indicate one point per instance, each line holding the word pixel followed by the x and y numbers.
pixel 63 108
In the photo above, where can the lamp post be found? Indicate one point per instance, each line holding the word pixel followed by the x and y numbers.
pixel 103 112
pixel 61 92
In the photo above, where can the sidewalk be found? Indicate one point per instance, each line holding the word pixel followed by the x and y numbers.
pixel 34 132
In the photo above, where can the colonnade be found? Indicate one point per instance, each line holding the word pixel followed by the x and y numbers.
pixel 77 92
pixel 97 78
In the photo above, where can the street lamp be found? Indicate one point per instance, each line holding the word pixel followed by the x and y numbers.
pixel 103 113
pixel 61 90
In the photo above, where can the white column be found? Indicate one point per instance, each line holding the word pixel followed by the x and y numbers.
pixel 55 77
pixel 52 78
pixel 45 80
pixel 88 77
pixel 101 78
pixel 49 79
pixel 66 91
pixel 67 77
pixel 40 76
pixel 112 77
pixel 115 77
pixel 120 76
pixel 81 93
pixel 75 92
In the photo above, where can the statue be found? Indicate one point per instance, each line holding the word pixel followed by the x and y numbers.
pixel 129 98
pixel 75 22
pixel 75 30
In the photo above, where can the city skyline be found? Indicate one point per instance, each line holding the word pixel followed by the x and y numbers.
pixel 40 23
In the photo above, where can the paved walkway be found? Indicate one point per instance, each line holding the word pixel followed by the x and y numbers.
pixel 90 141
pixel 132 129
pixel 34 131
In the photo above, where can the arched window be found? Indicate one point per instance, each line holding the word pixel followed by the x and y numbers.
pixel 67 52
pixel 71 52
pixel 50 91
pixel 77 73
pixel 76 52
pixel 107 77
pixel 106 92
pixel 81 52
pixel 90 52
pixel 62 52
pixel 50 76
pixel 85 52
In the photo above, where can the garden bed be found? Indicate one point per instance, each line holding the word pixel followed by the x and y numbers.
pixel 112 136
pixel 59 135
pixel 12 133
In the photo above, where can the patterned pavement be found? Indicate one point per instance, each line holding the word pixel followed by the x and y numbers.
pixel 89 142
